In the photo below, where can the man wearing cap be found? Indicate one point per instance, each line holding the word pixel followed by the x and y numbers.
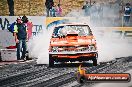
pixel 20 33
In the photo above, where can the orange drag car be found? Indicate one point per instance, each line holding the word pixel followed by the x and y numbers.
pixel 72 42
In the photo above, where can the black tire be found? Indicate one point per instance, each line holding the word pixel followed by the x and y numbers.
pixel 94 62
pixel 51 61
pixel 81 79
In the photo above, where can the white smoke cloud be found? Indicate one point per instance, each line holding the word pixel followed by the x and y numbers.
pixel 108 47
pixel 39 45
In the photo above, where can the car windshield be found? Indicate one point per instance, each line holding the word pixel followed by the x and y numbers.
pixel 81 30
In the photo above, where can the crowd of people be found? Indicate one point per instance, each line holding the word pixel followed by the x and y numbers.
pixel 53 10
pixel 100 11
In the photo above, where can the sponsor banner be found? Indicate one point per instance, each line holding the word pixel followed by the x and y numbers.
pixel 7 38
pixel 53 21
pixel 37 21
pixel 41 22
pixel 109 32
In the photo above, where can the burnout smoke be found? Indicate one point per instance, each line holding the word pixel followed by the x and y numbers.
pixel 108 47
pixel 39 45
pixel 105 15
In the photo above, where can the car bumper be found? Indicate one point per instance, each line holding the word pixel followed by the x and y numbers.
pixel 73 52
pixel 81 56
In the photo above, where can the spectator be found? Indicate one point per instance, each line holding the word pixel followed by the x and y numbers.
pixel 20 33
pixel 53 11
pixel 11 7
pixel 127 13
pixel 48 4
pixel 59 11
pixel 86 8
pixel 29 26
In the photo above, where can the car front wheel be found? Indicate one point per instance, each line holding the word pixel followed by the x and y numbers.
pixel 51 61
pixel 80 79
pixel 94 62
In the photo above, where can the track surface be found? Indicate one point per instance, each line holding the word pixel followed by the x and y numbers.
pixel 33 75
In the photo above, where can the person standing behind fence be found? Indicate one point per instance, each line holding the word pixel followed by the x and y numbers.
pixel 59 11
pixel 86 8
pixel 20 33
pixel 127 13
pixel 48 4
pixel 11 7
pixel 53 11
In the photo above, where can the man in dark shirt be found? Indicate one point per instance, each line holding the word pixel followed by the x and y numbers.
pixel 20 33
pixel 49 4
pixel 127 13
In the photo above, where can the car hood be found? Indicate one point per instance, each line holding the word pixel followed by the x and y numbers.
pixel 72 41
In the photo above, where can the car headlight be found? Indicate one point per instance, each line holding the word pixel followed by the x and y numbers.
pixel 91 48
pixel 54 49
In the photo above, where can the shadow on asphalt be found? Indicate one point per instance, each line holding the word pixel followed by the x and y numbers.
pixel 61 65
pixel 73 65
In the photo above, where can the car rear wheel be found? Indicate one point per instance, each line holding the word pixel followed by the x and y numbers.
pixel 51 61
